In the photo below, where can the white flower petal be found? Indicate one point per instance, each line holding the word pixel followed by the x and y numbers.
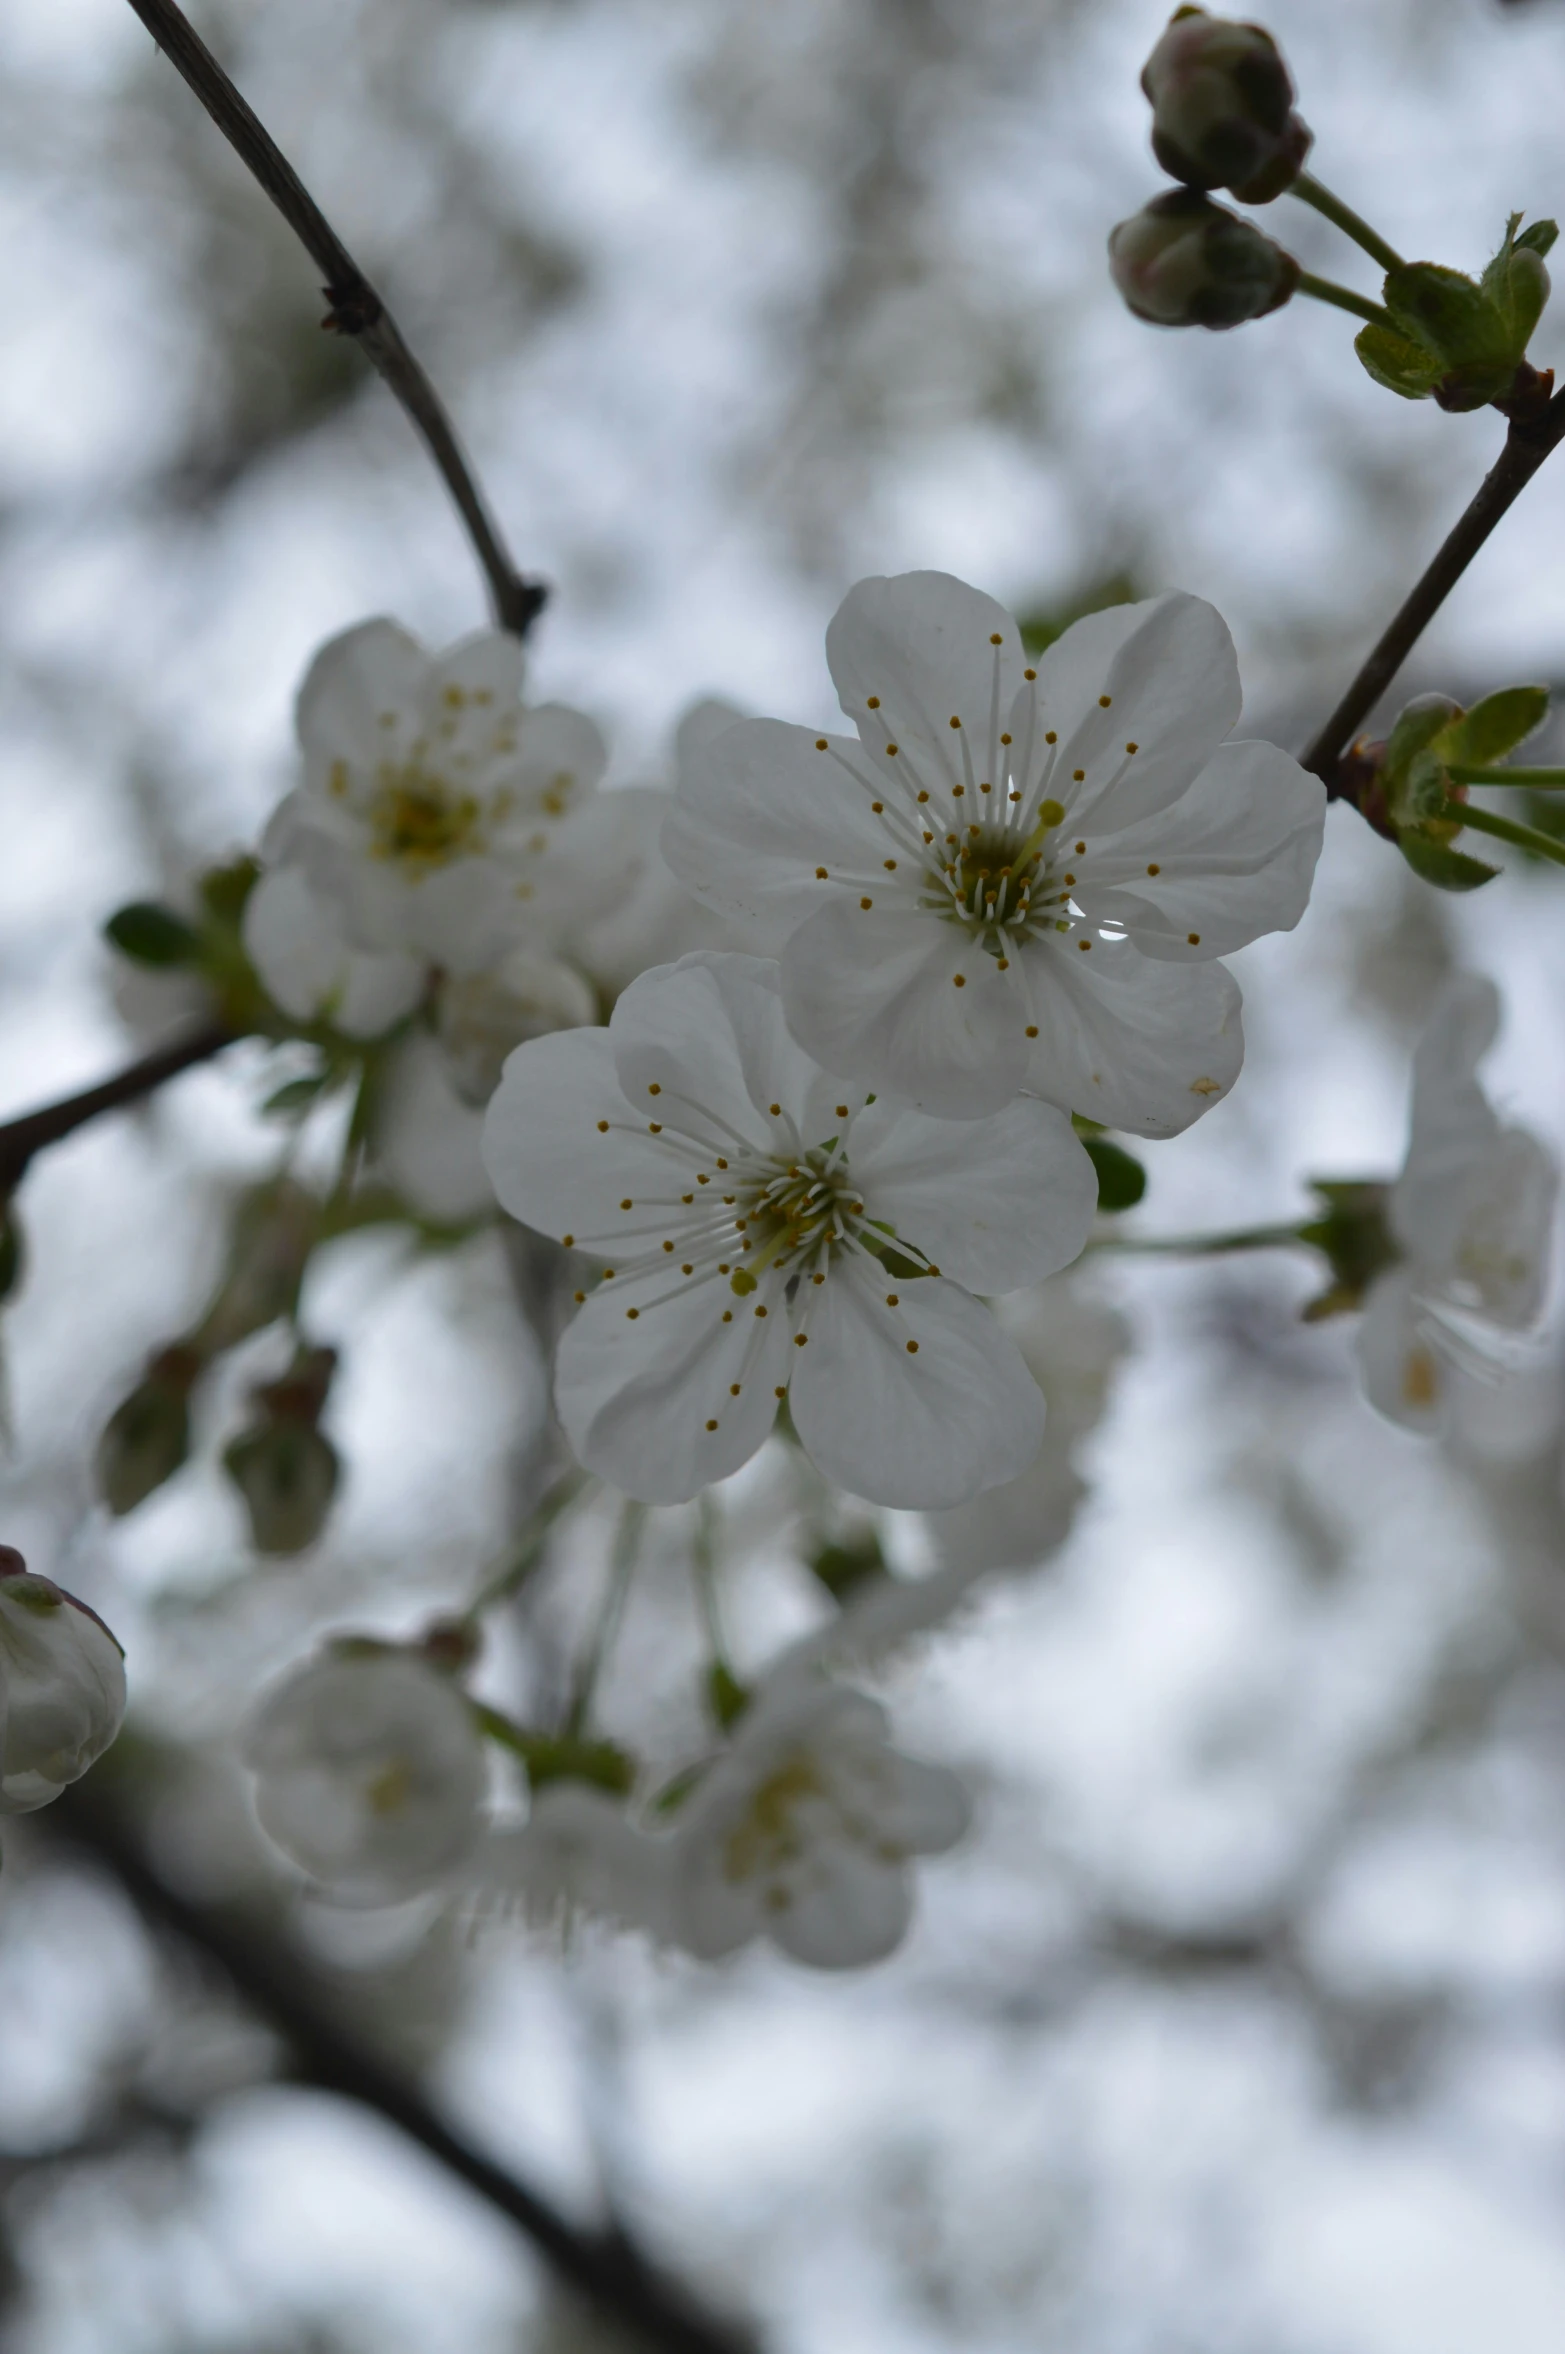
pixel 647 1399
pixel 761 807
pixel 296 939
pixel 1233 857
pixel 461 916
pixel 1406 1376
pixel 875 995
pixel 427 1140
pixel 708 1032
pixel 1171 678
pixel 919 1405
pixel 559 1144
pixel 996 1203
pixel 850 1910
pixel 932 650
pixel 353 682
pixel 1140 1045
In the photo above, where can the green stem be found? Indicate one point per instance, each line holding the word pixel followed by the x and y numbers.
pixel 1309 191
pixel 531 1543
pixel 1537 780
pixel 703 1563
pixel 1245 1238
pixel 1505 829
pixel 627 1544
pixel 1344 299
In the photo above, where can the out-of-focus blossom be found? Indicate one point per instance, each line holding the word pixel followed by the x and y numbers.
pixel 482 1017
pixel 772 1232
pixel 369 1773
pixel 442 815
pixel 577 1852
pixel 1019 877
pixel 297 938
pixel 804 1832
pixel 1072 1340
pixel 1472 1215
pixel 62 1687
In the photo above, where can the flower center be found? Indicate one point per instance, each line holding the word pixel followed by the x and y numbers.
pixel 998 882
pixel 419 821
pixel 803 1209
pixel 767 1835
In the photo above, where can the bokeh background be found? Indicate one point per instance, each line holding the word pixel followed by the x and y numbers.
pixel 1239 2023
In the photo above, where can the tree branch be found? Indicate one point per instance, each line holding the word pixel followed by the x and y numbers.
pixel 1526 447
pixel 356 308
pixel 605 2268
pixel 21 1138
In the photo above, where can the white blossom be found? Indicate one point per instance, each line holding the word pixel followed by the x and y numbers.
pixel 481 1017
pixel 369 1772
pixel 772 1232
pixel 577 1853
pixel 803 1831
pixel 1072 1339
pixel 298 940
pixel 1020 876
pixel 62 1687
pixel 1472 1215
pixel 442 815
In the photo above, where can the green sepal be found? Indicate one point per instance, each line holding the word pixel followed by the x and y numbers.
pixel 726 1696
pixel 1353 1238
pixel 1492 728
pixel 1396 363
pixel 1121 1178
pixel 153 935
pixel 1437 863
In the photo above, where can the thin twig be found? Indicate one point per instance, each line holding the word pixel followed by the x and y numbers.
pixel 1526 447
pixel 604 2268
pixel 356 309
pixel 21 1138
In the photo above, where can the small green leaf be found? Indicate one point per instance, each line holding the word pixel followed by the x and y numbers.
pixel 1447 313
pixel 1121 1178
pixel 1448 869
pixel 292 1101
pixel 1540 237
pixel 1418 724
pixel 841 1567
pixel 1516 281
pixel 1401 366
pixel 153 935
pixel 1492 728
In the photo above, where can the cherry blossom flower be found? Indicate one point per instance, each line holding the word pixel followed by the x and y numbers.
pixel 62 1687
pixel 369 1772
pixel 1020 876
pixel 804 1830
pixel 577 1853
pixel 771 1232
pixel 1472 1214
pixel 297 938
pixel 442 815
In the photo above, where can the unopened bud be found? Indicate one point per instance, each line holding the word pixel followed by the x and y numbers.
pixel 62 1687
pixel 147 1437
pixel 1222 107
pixel 285 1469
pixel 1183 261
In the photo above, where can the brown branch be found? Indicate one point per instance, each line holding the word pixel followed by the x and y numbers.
pixel 605 2268
pixel 21 1138
pixel 356 309
pixel 1526 446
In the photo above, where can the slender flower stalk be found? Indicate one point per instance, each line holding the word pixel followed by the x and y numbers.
pixel 1343 298
pixel 531 1543
pixel 1309 191
pixel 1244 1238
pixel 622 1562
pixel 1531 780
pixel 1505 829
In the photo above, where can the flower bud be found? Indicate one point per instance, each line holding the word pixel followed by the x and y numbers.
pixel 62 1687
pixel 1185 262
pixel 283 1466
pixel 147 1437
pixel 369 1772
pixel 1222 107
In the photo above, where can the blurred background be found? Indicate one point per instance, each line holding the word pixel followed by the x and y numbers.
pixel 1238 2025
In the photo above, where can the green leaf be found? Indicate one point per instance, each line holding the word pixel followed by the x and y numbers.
pixel 1516 281
pixel 293 1100
pixel 1401 366
pixel 1492 728
pixel 1448 314
pixel 1448 869
pixel 153 935
pixel 1418 724
pixel 1540 237
pixel 1121 1178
